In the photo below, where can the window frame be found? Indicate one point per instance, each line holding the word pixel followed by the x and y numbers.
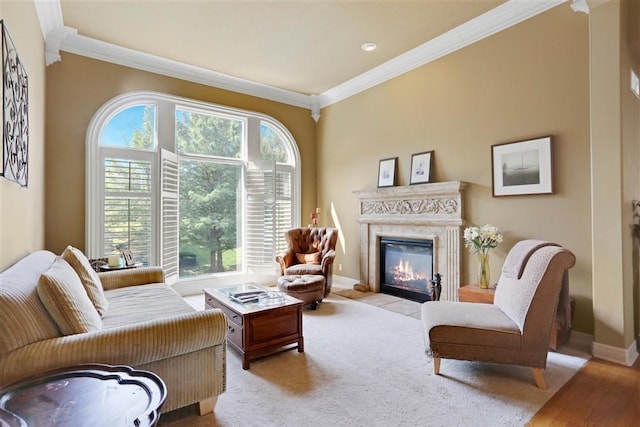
pixel 164 138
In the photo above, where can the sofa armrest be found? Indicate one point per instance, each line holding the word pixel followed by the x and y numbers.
pixel 131 277
pixel 133 345
pixel 285 259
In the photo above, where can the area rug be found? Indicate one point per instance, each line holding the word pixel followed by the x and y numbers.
pixel 366 366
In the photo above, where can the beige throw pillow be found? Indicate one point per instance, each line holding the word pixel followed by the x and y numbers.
pixel 313 258
pixel 66 300
pixel 89 278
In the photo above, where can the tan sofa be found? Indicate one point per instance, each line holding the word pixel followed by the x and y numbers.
pixel 129 317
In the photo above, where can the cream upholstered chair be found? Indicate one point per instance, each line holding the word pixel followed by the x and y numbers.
pixel 515 329
pixel 311 251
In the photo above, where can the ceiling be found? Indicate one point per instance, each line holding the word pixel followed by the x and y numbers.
pixel 302 52
pixel 303 46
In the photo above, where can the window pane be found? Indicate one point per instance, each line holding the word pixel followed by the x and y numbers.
pixel 133 127
pixel 210 202
pixel 208 134
pixel 127 207
pixel 272 147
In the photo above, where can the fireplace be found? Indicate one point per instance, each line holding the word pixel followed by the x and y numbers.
pixel 406 268
pixel 427 212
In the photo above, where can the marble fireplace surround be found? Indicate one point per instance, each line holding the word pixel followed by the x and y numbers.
pixel 425 211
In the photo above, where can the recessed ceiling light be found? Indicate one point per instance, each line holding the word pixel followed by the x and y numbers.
pixel 368 47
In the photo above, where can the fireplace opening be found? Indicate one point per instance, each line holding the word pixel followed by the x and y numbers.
pixel 406 268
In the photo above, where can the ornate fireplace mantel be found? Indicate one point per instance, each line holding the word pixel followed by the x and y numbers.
pixel 426 211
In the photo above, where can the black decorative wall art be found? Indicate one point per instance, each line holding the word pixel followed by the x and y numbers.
pixel 15 113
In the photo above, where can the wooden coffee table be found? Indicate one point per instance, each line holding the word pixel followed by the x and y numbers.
pixel 258 331
pixel 83 395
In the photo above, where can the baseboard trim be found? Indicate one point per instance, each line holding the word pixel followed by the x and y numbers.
pixel 619 355
pixel 343 280
pixel 581 339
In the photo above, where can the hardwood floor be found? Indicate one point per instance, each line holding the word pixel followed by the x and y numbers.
pixel 600 394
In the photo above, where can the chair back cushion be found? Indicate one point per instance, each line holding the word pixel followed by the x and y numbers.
pixel 308 240
pixel 531 300
pixel 23 317
pixel 518 256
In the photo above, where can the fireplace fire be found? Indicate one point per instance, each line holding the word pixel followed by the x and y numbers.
pixel 406 269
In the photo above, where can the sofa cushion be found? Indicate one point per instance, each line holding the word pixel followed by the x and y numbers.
pixel 23 317
pixel 88 276
pixel 142 303
pixel 67 301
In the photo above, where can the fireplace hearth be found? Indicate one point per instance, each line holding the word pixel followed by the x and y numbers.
pixel 406 268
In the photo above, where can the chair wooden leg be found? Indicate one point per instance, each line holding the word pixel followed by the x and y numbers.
pixel 537 375
pixel 436 366
pixel 206 406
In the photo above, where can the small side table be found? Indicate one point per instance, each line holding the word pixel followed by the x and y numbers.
pixel 473 293
pixel 119 267
pixel 81 395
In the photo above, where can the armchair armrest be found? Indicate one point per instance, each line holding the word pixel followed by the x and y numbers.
pixel 285 259
pixel 131 277
pixel 327 259
pixel 132 345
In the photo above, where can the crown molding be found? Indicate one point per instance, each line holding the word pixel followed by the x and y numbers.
pixel 96 49
pixel 58 37
pixel 49 14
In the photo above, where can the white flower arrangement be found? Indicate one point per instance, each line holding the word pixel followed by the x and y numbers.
pixel 481 239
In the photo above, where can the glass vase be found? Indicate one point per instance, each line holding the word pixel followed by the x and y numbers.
pixel 484 271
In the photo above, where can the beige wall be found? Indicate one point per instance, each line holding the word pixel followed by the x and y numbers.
pixel 530 80
pixel 78 86
pixel 22 209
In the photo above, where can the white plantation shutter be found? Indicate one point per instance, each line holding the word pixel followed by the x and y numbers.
pixel 260 186
pixel 169 216
pixel 269 211
pixel 127 207
pixel 284 206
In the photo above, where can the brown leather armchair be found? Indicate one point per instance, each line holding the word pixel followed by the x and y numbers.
pixel 311 251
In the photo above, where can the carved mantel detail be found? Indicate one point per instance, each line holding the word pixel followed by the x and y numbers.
pixel 414 207
pixel 426 211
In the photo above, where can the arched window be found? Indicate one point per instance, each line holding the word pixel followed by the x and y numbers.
pixel 197 188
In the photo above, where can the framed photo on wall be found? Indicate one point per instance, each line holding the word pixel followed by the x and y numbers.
pixel 522 167
pixel 421 167
pixel 387 172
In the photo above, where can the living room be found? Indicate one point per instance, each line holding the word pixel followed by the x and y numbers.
pixel 561 73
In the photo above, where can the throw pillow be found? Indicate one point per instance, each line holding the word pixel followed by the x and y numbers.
pixel 66 300
pixel 313 258
pixel 88 276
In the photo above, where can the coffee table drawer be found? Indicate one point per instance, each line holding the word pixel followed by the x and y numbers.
pixel 232 316
pixel 234 334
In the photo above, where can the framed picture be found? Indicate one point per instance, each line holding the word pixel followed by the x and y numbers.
pixel 522 167
pixel 421 167
pixel 128 257
pixel 387 172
